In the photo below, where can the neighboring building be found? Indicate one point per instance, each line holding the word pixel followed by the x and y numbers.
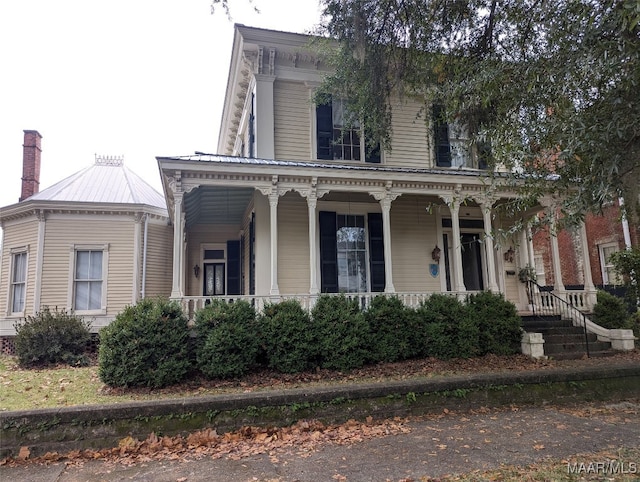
pixel 606 234
pixel 92 243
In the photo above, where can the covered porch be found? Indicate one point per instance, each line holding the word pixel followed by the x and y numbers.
pixel 266 230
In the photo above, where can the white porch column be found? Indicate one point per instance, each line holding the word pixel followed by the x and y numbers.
pixel 385 203
pixel 488 243
pixel 524 249
pixel 589 287
pixel 454 208
pixel 178 237
pixel 312 202
pixel 558 285
pixel 273 220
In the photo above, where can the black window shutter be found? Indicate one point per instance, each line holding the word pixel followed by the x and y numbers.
pixel 252 260
pixel 328 253
pixel 324 131
pixel 376 252
pixel 441 136
pixel 233 267
pixel 373 154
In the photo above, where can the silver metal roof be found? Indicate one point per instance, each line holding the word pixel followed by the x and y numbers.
pixel 106 181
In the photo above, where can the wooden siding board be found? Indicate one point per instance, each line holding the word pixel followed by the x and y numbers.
pixel 292 114
pixel 293 245
pixel 17 235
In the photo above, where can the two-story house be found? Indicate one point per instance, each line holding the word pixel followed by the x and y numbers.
pixel 297 204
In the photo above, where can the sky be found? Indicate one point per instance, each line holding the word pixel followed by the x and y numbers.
pixel 132 78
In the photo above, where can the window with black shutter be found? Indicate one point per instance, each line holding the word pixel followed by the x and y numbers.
pixel 233 268
pixel 376 252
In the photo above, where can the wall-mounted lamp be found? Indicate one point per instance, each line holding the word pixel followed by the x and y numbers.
pixel 196 270
pixel 508 255
pixel 435 254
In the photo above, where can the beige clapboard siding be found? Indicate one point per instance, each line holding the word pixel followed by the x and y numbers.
pixel 413 236
pixel 410 144
pixel 292 115
pixel 293 245
pixel 23 233
pixel 117 232
pixel 199 236
pixel 159 276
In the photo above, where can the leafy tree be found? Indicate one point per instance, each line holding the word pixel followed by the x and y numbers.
pixel 627 264
pixel 551 85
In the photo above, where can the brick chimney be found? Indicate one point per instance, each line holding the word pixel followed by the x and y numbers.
pixel 30 164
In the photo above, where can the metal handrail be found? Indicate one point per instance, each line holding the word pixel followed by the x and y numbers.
pixel 556 305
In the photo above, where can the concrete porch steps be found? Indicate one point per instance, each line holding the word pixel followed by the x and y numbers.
pixel 562 340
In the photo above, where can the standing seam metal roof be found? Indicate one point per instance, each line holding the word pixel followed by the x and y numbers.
pixel 103 183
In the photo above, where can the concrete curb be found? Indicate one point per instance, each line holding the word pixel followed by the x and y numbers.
pixel 71 428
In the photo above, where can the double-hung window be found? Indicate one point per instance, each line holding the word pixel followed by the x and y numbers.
pixel 609 275
pixel 339 138
pixel 89 279
pixel 453 146
pixel 18 281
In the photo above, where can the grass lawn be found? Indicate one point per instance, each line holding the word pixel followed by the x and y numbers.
pixel 59 386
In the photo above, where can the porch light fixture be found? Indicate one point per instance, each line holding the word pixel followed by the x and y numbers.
pixel 435 254
pixel 196 270
pixel 508 255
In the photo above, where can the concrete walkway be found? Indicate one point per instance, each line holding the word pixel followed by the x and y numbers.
pixel 430 447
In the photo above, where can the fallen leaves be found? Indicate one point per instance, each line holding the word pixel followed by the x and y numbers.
pixel 304 437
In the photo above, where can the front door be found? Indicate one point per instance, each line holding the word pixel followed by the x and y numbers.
pixel 214 279
pixel 472 262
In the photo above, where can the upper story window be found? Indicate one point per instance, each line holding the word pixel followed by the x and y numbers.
pixel 453 147
pixel 88 288
pixel 339 140
pixel 18 281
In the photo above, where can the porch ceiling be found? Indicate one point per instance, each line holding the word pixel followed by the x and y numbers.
pixel 216 205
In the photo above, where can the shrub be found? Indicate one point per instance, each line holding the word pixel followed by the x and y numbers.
pixel 445 328
pixel 610 311
pixel 633 323
pixel 146 345
pixel 52 337
pixel 499 326
pixel 392 330
pixel 286 336
pixel 341 332
pixel 227 339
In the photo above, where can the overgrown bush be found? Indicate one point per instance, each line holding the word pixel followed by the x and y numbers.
pixel 392 330
pixel 498 323
pixel 52 337
pixel 610 311
pixel 341 332
pixel 228 340
pixel 146 345
pixel 633 324
pixel 445 328
pixel 286 336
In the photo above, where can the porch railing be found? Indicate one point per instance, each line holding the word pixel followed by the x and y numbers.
pixel 191 304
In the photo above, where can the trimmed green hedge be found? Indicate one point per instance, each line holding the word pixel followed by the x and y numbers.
pixel 227 343
pixel 341 332
pixel 146 345
pixel 52 337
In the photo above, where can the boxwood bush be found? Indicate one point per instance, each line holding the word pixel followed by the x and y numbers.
pixel 51 337
pixel 286 336
pixel 146 345
pixel 228 341
pixel 499 326
pixel 392 330
pixel 610 311
pixel 446 328
pixel 341 332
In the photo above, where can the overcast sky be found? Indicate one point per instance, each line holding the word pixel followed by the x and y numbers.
pixel 132 78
